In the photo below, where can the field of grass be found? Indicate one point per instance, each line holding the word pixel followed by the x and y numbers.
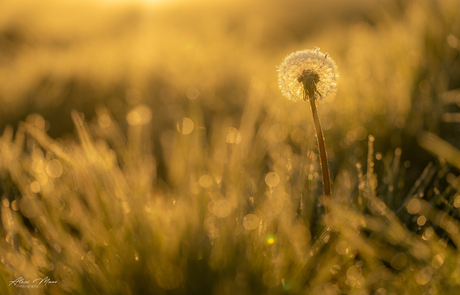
pixel 147 149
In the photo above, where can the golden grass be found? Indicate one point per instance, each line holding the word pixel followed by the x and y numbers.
pixel 189 173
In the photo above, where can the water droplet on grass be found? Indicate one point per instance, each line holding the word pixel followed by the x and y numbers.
pixel 205 181
pixel 222 208
pixel 54 168
pixel 399 260
pixel 233 136
pixel 185 126
pixel 250 222
pixel 272 179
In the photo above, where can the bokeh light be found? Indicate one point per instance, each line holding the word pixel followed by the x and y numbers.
pixel 146 148
pixel 270 239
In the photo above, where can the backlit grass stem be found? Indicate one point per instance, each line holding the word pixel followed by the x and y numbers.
pixel 322 153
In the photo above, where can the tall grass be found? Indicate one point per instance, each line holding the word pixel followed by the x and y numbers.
pixel 193 176
pixel 93 215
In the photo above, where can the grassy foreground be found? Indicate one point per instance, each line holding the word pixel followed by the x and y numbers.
pixel 186 171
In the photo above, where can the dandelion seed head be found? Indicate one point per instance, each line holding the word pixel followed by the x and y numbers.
pixel 309 72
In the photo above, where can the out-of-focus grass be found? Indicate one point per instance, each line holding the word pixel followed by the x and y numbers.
pixel 191 175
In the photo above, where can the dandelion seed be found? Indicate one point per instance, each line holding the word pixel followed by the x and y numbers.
pixel 309 72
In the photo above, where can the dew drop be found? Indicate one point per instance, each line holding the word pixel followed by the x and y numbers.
pixel 222 208
pixel 90 256
pixel 104 121
pixel 185 126
pixel 168 276
pixel 457 201
pixel 428 233
pixel 38 166
pixel 272 179
pixel 342 248
pixel 414 206
pixel 54 168
pixel 140 115
pixel 205 181
pixel 421 220
pixel 15 205
pixel 35 187
pixel 278 133
pixel 354 272
pixel 399 260
pixel 335 269
pixel 28 208
pixel 192 93
pixel 424 275
pixel 10 238
pixel 233 136
pixel 438 260
pixel 251 222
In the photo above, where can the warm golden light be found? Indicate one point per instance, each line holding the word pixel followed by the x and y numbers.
pixel 146 147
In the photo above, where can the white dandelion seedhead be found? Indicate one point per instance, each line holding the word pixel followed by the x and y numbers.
pixel 307 74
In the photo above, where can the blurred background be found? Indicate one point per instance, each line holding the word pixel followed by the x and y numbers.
pixel 398 61
pixel 203 75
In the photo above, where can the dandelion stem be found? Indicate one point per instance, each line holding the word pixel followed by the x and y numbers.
pixel 322 152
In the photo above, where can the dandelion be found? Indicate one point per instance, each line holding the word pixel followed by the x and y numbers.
pixel 310 74
pixel 307 74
